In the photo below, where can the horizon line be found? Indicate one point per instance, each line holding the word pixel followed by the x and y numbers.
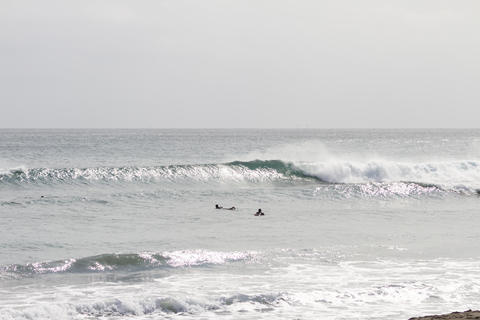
pixel 239 128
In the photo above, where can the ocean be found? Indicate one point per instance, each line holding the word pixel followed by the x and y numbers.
pixel 121 224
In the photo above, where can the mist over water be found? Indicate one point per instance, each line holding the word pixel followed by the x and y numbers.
pixel 121 223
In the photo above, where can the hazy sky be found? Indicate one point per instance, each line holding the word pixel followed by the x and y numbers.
pixel 239 63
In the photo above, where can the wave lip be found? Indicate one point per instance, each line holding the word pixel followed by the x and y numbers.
pixel 286 169
pixel 128 262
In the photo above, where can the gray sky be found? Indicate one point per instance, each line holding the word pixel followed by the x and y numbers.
pixel 239 63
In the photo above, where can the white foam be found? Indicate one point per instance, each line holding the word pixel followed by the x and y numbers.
pixel 380 289
pixel 449 173
pixel 200 257
pixel 315 159
pixel 312 289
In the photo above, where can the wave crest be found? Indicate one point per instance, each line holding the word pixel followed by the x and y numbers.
pixel 174 173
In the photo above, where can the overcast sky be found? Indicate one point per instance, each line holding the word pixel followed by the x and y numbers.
pixel 239 63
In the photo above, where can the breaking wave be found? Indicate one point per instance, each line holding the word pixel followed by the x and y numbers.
pixel 442 175
pixel 132 307
pixel 126 262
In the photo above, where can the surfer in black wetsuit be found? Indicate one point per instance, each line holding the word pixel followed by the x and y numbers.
pixel 220 207
pixel 259 213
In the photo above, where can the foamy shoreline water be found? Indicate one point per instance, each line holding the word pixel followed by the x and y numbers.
pixel 253 285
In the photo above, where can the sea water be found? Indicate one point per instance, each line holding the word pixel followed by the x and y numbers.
pixel 358 224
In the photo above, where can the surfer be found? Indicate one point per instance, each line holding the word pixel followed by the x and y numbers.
pixel 220 207
pixel 259 213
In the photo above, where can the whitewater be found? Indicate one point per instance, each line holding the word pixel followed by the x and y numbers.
pixel 120 224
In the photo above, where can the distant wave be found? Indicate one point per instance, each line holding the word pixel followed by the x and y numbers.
pixel 126 262
pixel 250 171
pixel 446 174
